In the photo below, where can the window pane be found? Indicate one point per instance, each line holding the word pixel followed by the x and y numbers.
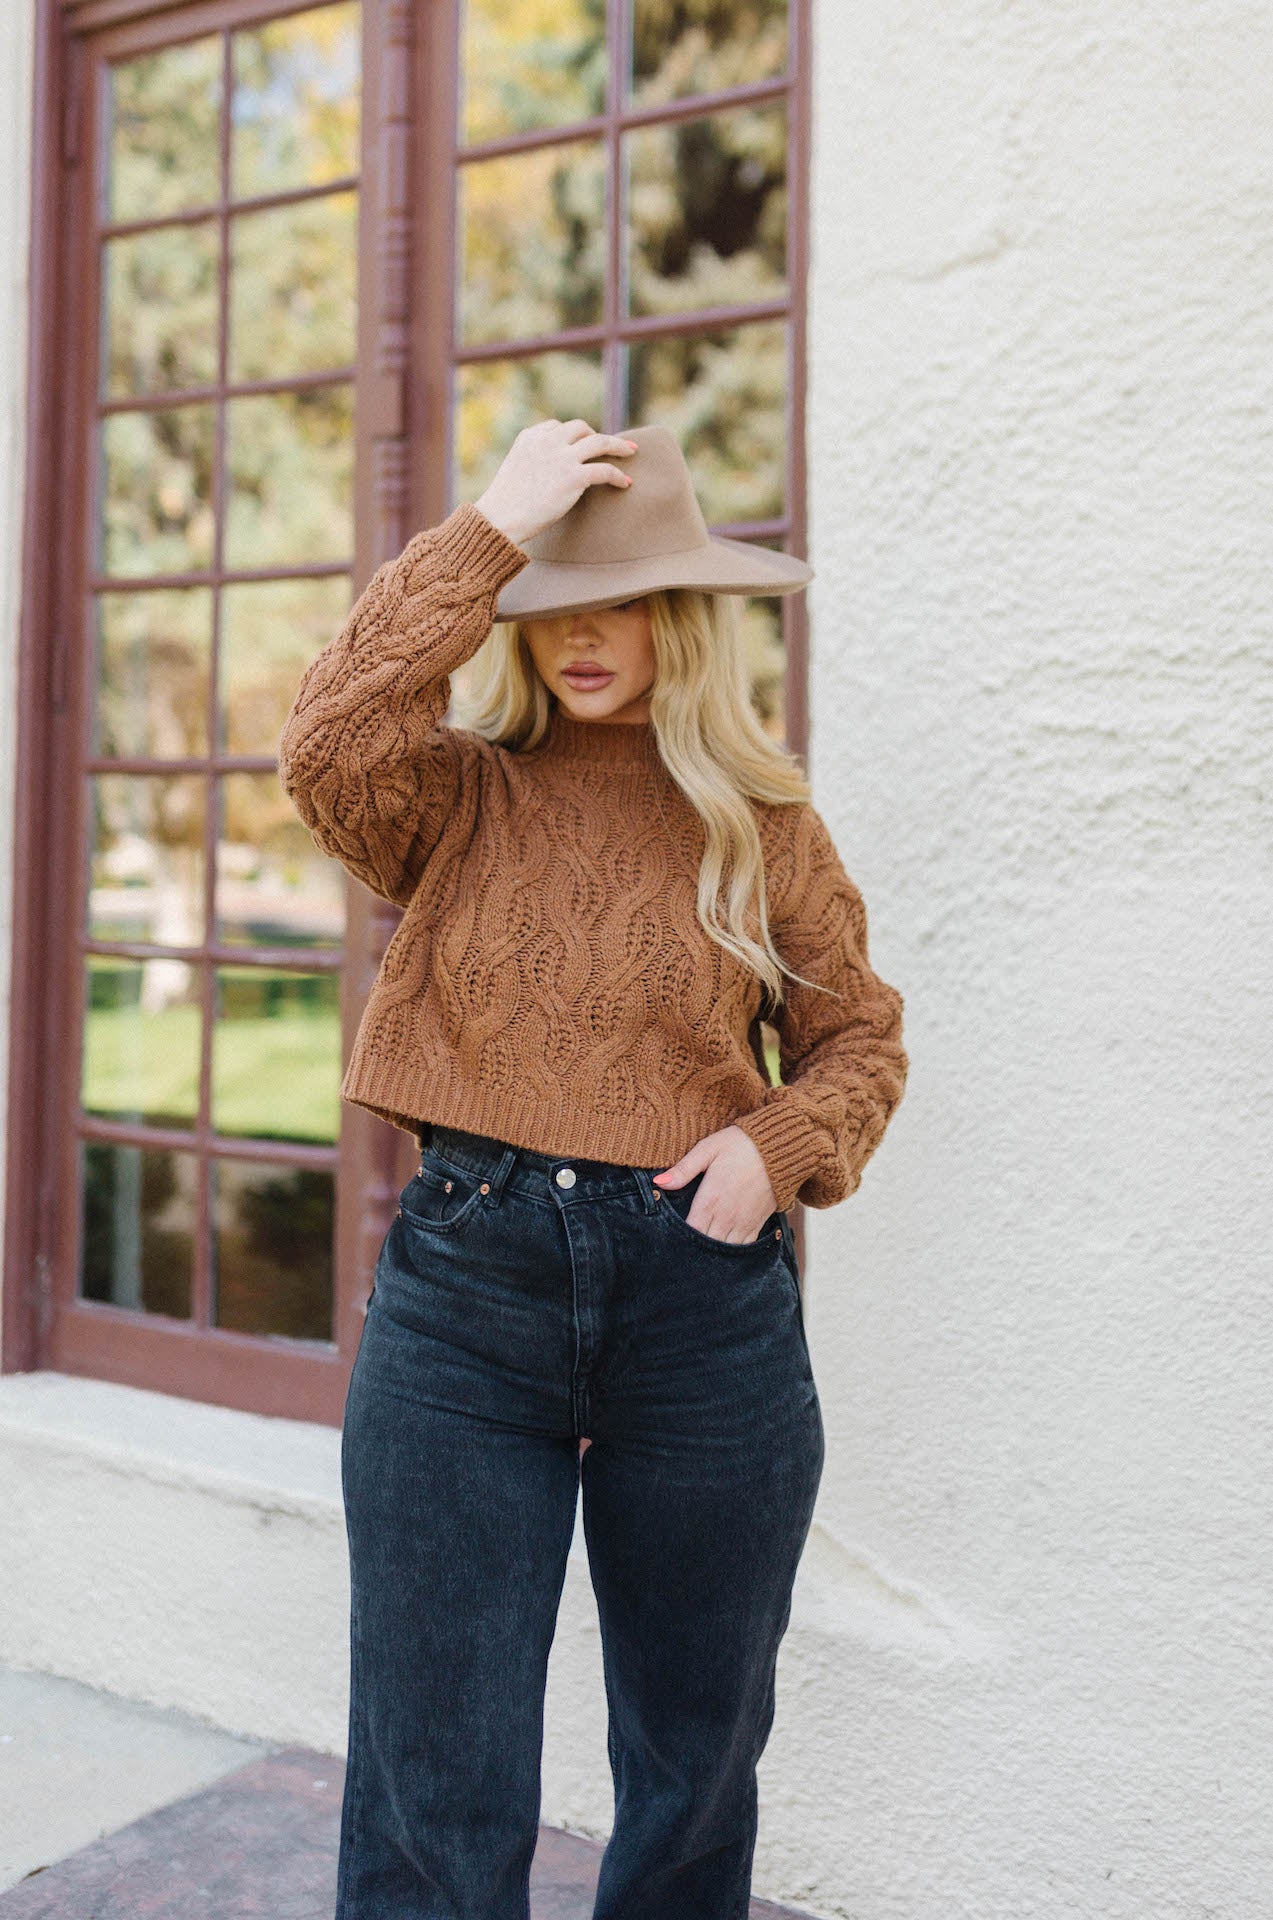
pixel 157 491
pixel 766 662
pixel 152 674
pixel 495 399
pixel 141 1041
pixel 525 64
pixel 164 147
pixel 147 858
pixel 137 1227
pixel 699 46
pixel 295 112
pixel 276 1054
pixel 290 458
pixel 273 1249
pixel 707 211
pixel 532 241
pixel 270 631
pixel 159 306
pixel 292 289
pixel 274 888
pixel 724 395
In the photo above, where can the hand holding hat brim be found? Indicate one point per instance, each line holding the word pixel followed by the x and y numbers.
pixel 616 544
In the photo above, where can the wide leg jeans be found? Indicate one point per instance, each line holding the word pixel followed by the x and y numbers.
pixel 523 1302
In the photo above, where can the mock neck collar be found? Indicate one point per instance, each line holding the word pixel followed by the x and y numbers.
pixel 603 742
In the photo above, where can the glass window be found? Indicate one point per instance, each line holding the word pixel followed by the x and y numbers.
pixel 221 559
pixel 638 245
pixel 624 242
pixel 684 47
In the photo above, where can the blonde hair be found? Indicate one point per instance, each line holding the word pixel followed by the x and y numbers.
pixel 711 742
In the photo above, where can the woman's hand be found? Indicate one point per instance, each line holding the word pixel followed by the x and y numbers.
pixel 545 471
pixel 735 1199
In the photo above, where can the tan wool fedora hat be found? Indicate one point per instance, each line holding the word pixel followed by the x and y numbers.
pixel 616 543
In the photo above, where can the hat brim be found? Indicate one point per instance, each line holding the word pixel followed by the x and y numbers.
pixel 549 587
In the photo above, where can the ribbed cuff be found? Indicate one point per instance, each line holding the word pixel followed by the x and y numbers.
pixel 783 1139
pixel 465 546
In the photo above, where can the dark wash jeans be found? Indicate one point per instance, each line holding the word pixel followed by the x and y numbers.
pixel 522 1302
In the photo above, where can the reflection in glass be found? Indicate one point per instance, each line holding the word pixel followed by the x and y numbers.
pixel 495 399
pixel 147 858
pixel 270 631
pixel 151 695
pixel 699 46
pixel 157 491
pixel 290 459
pixel 530 66
pixel 272 1258
pixel 296 97
pixel 274 888
pixel 707 211
pixel 724 395
pixel 276 1054
pixel 163 141
pixel 532 242
pixel 138 1220
pixel 141 1041
pixel 159 302
pixel 292 288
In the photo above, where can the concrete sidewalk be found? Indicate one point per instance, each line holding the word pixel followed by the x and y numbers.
pixel 113 1811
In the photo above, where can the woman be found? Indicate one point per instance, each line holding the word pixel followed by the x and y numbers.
pixel 608 879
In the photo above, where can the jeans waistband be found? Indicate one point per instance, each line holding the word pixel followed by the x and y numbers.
pixel 525 1171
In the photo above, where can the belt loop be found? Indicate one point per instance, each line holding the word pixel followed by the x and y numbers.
pixel 646 1187
pixel 507 1160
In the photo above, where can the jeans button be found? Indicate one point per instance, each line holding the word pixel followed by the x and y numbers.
pixel 565 1176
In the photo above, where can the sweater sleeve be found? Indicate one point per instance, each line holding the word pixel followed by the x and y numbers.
pixel 841 1057
pixel 364 756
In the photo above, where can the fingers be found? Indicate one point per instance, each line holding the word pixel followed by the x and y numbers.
pixel 579 431
pixel 593 472
pixel 694 1160
pixel 713 1225
pixel 575 429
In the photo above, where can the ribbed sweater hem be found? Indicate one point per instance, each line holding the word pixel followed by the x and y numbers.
pixel 405 1096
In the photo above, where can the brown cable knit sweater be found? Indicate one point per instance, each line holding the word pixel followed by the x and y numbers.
pixel 549 983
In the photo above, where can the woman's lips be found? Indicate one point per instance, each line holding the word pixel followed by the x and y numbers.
pixel 578 677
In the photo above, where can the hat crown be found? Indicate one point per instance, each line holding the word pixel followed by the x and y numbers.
pixel 658 513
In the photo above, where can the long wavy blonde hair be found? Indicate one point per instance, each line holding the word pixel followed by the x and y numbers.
pixel 711 742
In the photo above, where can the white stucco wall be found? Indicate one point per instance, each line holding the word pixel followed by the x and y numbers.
pixel 1041 453
pixel 17 40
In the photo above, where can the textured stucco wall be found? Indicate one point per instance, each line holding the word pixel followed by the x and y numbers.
pixel 1041 452
pixel 17 40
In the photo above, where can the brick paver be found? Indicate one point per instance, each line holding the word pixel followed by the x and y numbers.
pixel 260 1844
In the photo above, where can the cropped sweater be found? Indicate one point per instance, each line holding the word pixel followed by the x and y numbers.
pixel 549 982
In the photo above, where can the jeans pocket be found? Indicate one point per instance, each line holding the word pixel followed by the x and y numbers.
pixel 675 1205
pixel 439 1197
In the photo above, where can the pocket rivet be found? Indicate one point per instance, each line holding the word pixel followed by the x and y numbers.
pixel 486 1186
pixel 777 1233
pixel 448 1186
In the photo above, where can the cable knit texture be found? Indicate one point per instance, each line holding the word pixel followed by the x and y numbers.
pixel 549 983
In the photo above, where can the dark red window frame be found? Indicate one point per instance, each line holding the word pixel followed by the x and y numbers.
pixel 407 358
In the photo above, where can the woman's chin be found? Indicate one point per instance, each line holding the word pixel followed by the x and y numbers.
pixel 596 706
